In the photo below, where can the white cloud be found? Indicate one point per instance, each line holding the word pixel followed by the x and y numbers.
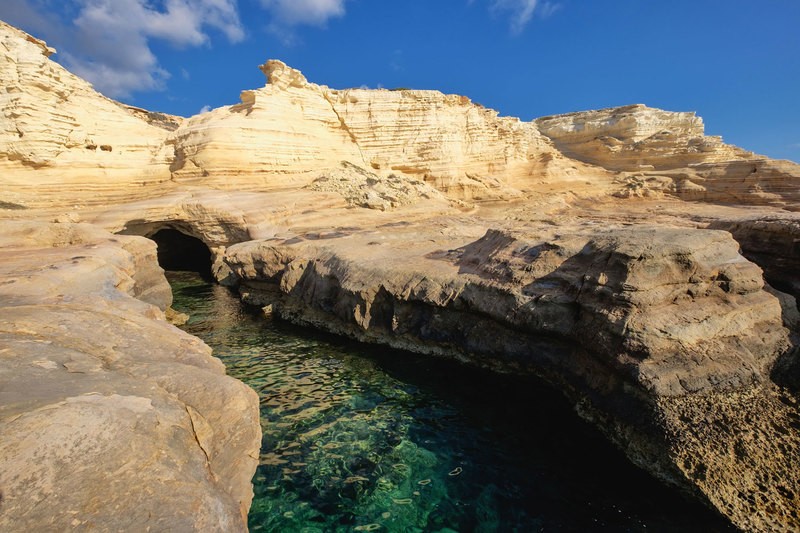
pixel 297 12
pixel 108 41
pixel 287 14
pixel 521 12
pixel 204 109
pixel 547 9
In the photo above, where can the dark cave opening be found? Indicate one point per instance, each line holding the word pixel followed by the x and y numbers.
pixel 181 252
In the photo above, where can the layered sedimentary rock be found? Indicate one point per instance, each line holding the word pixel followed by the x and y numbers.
pixel 773 242
pixel 754 181
pixel 284 129
pixel 359 212
pixel 646 329
pixel 459 147
pixel 663 152
pixel 290 132
pixel 676 311
pixel 112 419
pixel 636 137
pixel 60 141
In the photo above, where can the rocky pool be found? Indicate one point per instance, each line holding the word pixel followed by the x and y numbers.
pixel 364 438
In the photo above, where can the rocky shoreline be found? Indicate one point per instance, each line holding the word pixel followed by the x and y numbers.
pixel 644 269
pixel 667 345
pixel 111 417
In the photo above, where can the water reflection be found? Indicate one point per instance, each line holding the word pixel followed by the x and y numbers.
pixel 362 439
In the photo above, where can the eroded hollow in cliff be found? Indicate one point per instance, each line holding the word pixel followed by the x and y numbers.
pixel 179 251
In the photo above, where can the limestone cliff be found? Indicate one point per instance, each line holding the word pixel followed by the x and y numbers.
pixel 59 137
pixel 352 210
pixel 659 152
pixel 62 143
pixel 636 137
pixel 295 129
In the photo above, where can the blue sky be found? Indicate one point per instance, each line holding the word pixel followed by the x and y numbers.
pixel 735 62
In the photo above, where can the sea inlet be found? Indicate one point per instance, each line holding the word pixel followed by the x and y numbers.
pixel 365 438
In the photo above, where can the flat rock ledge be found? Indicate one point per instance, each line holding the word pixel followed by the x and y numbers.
pixel 665 338
pixel 111 418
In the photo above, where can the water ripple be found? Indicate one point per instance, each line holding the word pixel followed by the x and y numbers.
pixel 358 439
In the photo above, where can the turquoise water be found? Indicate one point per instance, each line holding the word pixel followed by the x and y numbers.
pixel 362 438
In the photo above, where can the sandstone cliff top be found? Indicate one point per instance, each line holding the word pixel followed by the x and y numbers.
pixel 9 29
pixel 282 75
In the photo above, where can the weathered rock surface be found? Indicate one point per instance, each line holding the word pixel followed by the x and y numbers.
pixel 362 188
pixel 660 152
pixel 287 133
pixel 646 329
pixel 60 141
pixel 111 418
pixel 460 148
pixel 592 249
pixel 675 311
pixel 772 241
pixel 636 136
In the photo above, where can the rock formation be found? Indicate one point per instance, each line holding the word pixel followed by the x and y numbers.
pixel 661 152
pixel 636 137
pixel 461 148
pixel 60 141
pixel 616 253
pixel 112 419
pixel 664 337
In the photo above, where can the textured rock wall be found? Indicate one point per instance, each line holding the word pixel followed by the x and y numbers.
pixel 636 137
pixel 773 243
pixel 645 329
pixel 292 128
pixel 756 181
pixel 676 311
pixel 111 418
pixel 658 152
pixel 461 148
pixel 285 129
pixel 60 141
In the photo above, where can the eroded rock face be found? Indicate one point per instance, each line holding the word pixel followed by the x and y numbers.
pixel 772 242
pixel 740 448
pixel 290 131
pixel 461 148
pixel 636 137
pixel 111 418
pixel 644 328
pixel 660 152
pixel 359 212
pixel 670 309
pixel 362 188
pixel 60 141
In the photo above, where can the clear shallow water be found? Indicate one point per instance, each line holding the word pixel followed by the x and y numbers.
pixel 361 438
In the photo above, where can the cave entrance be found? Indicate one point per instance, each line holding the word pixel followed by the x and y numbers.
pixel 181 252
